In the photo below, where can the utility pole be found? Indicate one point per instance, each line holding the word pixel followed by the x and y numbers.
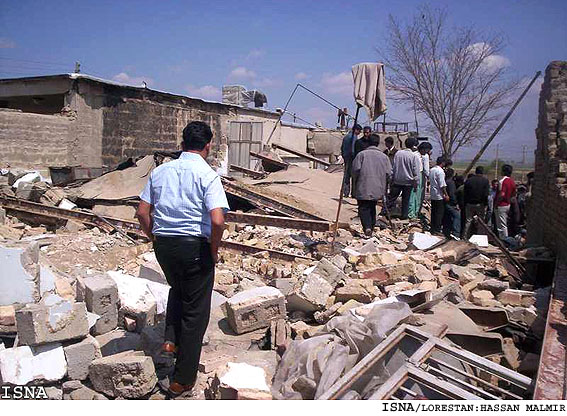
pixel 496 167
pixel 524 155
pixel 485 145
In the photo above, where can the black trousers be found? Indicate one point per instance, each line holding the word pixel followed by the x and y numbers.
pixel 189 269
pixel 395 191
pixel 437 213
pixel 367 213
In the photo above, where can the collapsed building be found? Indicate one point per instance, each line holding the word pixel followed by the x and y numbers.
pixel 80 120
pixel 296 313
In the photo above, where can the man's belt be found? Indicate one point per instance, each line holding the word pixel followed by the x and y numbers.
pixel 181 238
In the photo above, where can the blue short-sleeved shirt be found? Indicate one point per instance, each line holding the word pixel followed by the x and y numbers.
pixel 182 193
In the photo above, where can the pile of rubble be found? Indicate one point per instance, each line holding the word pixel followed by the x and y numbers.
pixel 82 311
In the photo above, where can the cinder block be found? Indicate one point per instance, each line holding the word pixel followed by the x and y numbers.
pixel 255 308
pixel 310 294
pixel 127 375
pixel 118 341
pixel 101 296
pixel 79 357
pixel 42 324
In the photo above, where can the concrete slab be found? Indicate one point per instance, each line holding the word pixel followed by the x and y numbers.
pixel 19 274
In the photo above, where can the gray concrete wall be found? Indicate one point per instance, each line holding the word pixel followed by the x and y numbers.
pixel 34 140
pixel 103 123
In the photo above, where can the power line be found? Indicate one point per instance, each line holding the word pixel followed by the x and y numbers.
pixel 32 62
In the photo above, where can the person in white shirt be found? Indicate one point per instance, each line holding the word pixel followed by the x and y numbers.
pixel 424 149
pixel 438 194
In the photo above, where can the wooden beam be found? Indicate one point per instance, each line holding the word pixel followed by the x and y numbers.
pixel 521 269
pixel 281 222
pixel 253 173
pixel 232 245
pixel 300 154
pixel 276 163
pixel 265 202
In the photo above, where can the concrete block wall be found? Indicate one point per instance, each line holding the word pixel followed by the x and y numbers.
pixel 34 141
pixel 104 123
pixel 547 221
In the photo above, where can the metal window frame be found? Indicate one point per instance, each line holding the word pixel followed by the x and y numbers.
pixel 416 368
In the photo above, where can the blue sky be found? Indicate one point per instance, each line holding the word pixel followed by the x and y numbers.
pixel 194 47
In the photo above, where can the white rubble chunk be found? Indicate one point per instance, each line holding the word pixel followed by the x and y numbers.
pixel 92 318
pixel 422 241
pixel 479 239
pixel 136 299
pixel 242 376
pixel 30 177
pixel 66 204
pixel 21 365
pixel 160 293
pixel 46 280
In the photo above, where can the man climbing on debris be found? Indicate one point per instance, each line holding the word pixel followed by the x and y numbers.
pixel 182 211
pixel 371 171
pixel 347 152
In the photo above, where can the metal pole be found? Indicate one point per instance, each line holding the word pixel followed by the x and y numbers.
pixel 343 184
pixel 497 161
pixel 487 143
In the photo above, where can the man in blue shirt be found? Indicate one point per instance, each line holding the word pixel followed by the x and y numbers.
pixel 347 152
pixel 182 211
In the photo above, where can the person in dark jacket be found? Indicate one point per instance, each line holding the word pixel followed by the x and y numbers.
pixel 452 215
pixel 371 170
pixel 347 152
pixel 390 150
pixel 477 189
pixel 363 142
pixel 460 185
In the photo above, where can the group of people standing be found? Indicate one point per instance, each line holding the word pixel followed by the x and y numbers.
pixel 372 174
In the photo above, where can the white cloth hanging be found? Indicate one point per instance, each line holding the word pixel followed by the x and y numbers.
pixel 370 88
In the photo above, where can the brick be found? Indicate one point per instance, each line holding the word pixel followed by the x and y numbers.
pixel 254 309
pixel 360 290
pixel 516 298
pixel 42 324
pixel 390 274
